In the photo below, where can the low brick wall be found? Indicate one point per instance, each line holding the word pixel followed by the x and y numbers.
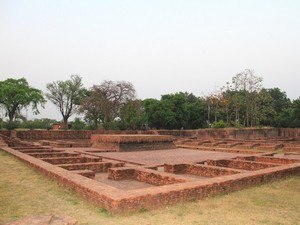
pixel 239 164
pixel 68 134
pixel 199 170
pixel 132 142
pixel 116 200
pixel 85 173
pixel 142 175
pixel 68 160
pixel 52 154
pixel 268 160
pixel 230 133
pixel 247 133
pixel 94 166
pixel 207 188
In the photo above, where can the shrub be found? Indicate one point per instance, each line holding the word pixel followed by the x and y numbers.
pixel 236 124
pixel 219 124
pixel 78 124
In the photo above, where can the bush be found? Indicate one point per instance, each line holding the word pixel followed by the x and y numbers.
pixel 11 125
pixel 78 124
pixel 219 124
pixel 113 125
pixel 236 124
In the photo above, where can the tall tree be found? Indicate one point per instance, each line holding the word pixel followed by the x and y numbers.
pixel 251 84
pixel 66 95
pixel 112 96
pixel 175 111
pixel 16 94
pixel 131 115
pixel 91 108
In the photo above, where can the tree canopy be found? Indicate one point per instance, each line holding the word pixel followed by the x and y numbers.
pixel 241 102
pixel 106 100
pixel 16 94
pixel 175 111
pixel 66 95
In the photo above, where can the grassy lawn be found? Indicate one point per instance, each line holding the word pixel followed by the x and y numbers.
pixel 24 192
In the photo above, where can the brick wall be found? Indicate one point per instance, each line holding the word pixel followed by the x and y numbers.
pixel 199 170
pixel 202 133
pixel 248 133
pixel 142 175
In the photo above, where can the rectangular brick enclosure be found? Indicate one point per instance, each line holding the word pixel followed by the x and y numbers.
pixel 131 172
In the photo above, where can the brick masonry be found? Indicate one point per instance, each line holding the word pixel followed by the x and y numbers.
pixel 249 133
pixel 123 143
pixel 200 170
pixel 239 164
pixel 171 186
pixel 143 175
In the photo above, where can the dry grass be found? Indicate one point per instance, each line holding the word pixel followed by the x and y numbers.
pixel 24 192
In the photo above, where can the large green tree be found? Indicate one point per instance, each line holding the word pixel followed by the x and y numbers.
pixel 289 117
pixel 175 111
pixel 131 115
pixel 92 110
pixel 66 96
pixel 16 94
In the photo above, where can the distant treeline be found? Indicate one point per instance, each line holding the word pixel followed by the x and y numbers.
pixel 242 102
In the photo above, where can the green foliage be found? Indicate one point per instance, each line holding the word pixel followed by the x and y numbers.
pixel 44 123
pixel 112 125
pixel 245 103
pixel 131 115
pixel 78 124
pixel 104 104
pixel 11 125
pixel 66 95
pixel 236 124
pixel 91 109
pixel 219 124
pixel 289 117
pixel 16 94
pixel 175 111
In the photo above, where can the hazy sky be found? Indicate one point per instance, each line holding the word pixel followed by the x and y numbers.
pixel 160 46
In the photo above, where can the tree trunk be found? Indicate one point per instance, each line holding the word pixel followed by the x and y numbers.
pixel 10 117
pixel 227 114
pixel 66 123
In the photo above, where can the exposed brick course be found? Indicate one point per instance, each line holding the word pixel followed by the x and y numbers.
pixel 200 170
pixel 95 166
pixel 239 164
pixel 180 180
pixel 123 143
pixel 143 175
pixel 68 160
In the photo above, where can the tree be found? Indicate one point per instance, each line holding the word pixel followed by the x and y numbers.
pixel 280 99
pixel 111 96
pixel 131 115
pixel 66 95
pixel 91 108
pixel 197 112
pixel 250 84
pixel 289 117
pixel 296 113
pixel 152 112
pixel 77 124
pixel 16 94
pixel 175 111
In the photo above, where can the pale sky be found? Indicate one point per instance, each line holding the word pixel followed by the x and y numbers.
pixel 161 46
